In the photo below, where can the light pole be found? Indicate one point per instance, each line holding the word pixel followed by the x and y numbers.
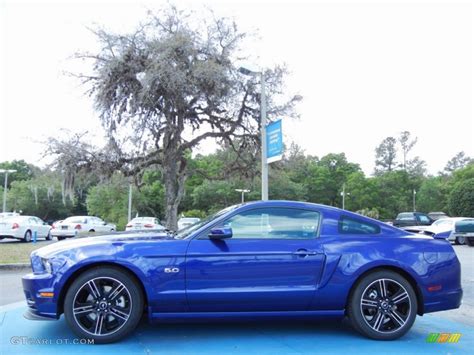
pixel 414 200
pixel 243 191
pixel 263 125
pixel 6 172
pixel 343 194
pixel 129 202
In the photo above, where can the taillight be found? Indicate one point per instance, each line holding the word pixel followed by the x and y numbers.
pixel 128 225
pixel 15 226
pixel 78 226
pixel 148 225
pixel 53 226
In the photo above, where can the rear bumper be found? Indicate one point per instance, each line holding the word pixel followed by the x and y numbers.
pixel 445 301
pixel 40 307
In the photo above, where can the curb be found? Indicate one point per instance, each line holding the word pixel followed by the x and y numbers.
pixel 17 266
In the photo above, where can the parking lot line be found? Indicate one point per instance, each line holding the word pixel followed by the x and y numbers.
pixel 21 336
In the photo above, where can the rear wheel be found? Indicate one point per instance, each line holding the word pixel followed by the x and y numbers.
pixel 49 237
pixel 470 242
pixel 27 237
pixel 60 238
pixel 104 304
pixel 382 306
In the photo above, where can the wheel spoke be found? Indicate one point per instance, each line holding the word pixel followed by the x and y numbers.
pixel 401 296
pixel 85 309
pixel 378 321
pixel 396 317
pixel 382 288
pixel 115 292
pixel 118 313
pixel 98 324
pixel 369 303
pixel 94 289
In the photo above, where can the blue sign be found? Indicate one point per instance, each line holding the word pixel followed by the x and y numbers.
pixel 274 142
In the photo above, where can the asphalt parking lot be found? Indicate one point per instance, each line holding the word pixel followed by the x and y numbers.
pixel 21 336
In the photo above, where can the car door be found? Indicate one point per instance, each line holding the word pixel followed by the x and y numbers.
pixel 43 228
pixel 273 262
pixel 34 227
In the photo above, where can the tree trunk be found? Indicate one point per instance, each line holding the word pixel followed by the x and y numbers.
pixel 174 176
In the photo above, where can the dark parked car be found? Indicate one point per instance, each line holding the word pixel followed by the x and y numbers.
pixel 406 219
pixel 465 229
pixel 260 260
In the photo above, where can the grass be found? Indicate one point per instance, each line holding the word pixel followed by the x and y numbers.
pixel 19 252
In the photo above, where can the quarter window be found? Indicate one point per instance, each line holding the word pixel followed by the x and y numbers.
pixel 274 223
pixel 348 225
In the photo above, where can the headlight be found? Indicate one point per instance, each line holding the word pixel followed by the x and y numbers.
pixel 47 266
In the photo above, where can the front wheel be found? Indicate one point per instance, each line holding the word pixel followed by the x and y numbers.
pixel 49 237
pixel 460 241
pixel 382 306
pixel 104 304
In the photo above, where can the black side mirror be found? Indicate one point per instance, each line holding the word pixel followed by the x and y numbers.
pixel 220 233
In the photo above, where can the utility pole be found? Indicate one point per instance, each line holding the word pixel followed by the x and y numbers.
pixel 6 172
pixel 414 200
pixel 129 202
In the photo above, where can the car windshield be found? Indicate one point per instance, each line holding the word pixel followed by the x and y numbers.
pixel 186 232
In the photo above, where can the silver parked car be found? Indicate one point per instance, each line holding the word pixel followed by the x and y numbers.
pixel 24 228
pixel 144 223
pixel 187 221
pixel 79 225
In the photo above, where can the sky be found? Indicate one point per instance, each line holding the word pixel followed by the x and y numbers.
pixel 366 70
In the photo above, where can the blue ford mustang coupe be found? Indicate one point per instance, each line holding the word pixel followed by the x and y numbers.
pixel 260 260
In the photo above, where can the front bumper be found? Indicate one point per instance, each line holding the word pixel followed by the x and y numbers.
pixel 40 307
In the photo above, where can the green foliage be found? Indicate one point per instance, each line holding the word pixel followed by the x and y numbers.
pixel 24 171
pixel 194 213
pixel 433 195
pixel 109 201
pixel 461 199
pixel 40 196
pixel 372 213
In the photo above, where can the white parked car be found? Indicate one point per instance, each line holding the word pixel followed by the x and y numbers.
pixel 187 221
pixel 8 214
pixel 24 228
pixel 144 223
pixel 77 225
pixel 444 226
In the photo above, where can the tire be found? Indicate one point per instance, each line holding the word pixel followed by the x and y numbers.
pixel 378 318
pixel 49 237
pixel 27 238
pixel 60 238
pixel 117 313
pixel 470 242
pixel 460 241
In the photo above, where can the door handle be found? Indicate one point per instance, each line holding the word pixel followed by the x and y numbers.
pixel 304 252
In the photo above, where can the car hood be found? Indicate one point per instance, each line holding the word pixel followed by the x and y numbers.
pixel 75 243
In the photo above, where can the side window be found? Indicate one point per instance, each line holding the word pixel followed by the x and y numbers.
pixel 32 220
pixel 274 223
pixel 423 219
pixel 349 225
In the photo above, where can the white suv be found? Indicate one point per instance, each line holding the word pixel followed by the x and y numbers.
pixel 77 225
